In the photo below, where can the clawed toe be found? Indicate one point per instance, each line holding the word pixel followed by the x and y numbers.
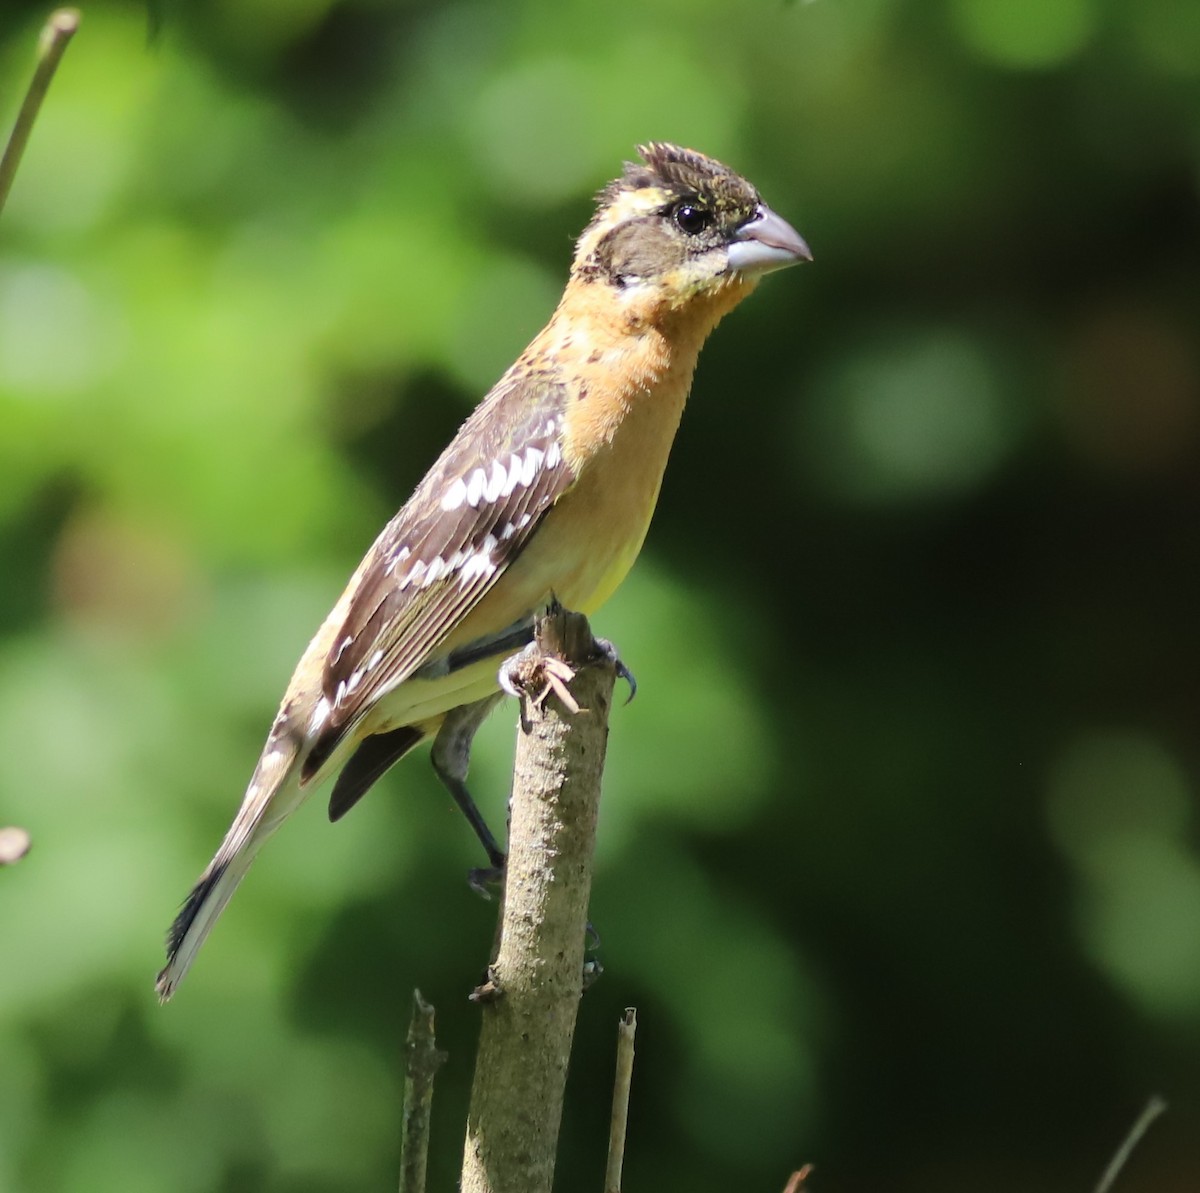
pixel 609 651
pixel 592 969
pixel 531 675
pixel 513 670
pixel 486 881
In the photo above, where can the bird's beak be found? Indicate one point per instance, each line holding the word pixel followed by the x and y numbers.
pixel 766 242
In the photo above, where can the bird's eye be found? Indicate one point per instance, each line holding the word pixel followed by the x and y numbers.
pixel 692 219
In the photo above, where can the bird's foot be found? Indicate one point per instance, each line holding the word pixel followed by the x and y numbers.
pixel 609 652
pixel 491 988
pixel 487 881
pixel 532 675
pixel 592 969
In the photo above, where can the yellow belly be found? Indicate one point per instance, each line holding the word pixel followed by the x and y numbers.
pixel 580 553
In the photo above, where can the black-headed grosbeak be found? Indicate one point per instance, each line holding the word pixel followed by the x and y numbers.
pixel 546 490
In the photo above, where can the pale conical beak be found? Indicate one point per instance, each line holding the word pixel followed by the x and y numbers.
pixel 766 242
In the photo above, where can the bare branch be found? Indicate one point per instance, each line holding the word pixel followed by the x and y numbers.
pixel 422 1059
pixel 56 34
pixel 532 995
pixel 626 1030
pixel 1153 1109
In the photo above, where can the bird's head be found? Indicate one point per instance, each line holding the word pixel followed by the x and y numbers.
pixel 678 227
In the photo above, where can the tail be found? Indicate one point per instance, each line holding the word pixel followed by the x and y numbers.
pixel 272 795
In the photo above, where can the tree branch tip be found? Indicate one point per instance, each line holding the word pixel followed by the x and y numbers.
pixel 14 845
pixel 622 1083
pixel 423 1056
pixel 1154 1107
pixel 52 44
pixel 796 1180
pixel 63 22
pixel 422 1060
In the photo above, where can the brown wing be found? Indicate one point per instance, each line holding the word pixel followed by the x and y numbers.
pixel 467 521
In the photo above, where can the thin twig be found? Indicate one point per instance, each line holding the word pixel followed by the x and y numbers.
pixel 56 33
pixel 796 1180
pixel 626 1030
pixel 1153 1109
pixel 422 1059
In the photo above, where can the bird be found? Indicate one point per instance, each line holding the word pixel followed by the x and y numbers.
pixel 545 493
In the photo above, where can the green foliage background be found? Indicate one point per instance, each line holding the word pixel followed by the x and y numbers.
pixel 899 853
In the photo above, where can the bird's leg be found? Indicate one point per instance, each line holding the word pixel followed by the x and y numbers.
pixel 520 633
pixel 451 756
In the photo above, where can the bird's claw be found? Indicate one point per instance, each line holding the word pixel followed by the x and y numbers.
pixel 531 675
pixel 609 652
pixel 592 969
pixel 486 881
pixel 512 670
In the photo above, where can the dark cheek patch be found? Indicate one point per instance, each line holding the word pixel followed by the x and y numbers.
pixel 640 249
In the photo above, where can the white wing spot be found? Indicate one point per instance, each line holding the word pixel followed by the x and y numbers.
pixel 435 569
pixel 514 473
pixel 374 660
pixel 533 461
pixel 455 494
pixel 480 563
pixel 398 558
pixel 354 681
pixel 319 717
pixel 475 487
pixel 553 455
pixel 413 575
pixel 511 476
pixel 495 485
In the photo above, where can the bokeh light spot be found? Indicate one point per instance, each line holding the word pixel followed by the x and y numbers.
pixel 1168 34
pixel 1112 785
pixel 1119 810
pixel 54 337
pixel 909 417
pixel 1024 33
pixel 530 130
